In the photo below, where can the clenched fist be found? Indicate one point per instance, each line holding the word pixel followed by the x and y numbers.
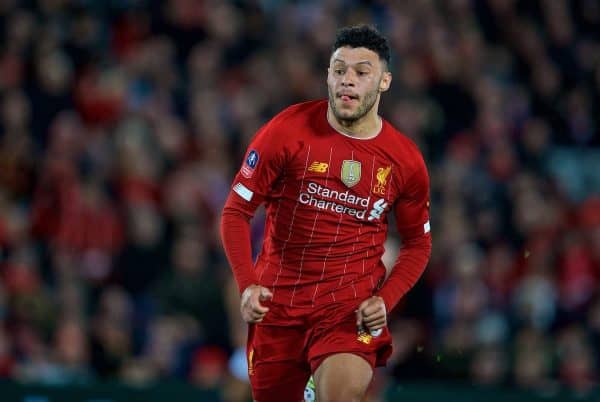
pixel 250 307
pixel 372 313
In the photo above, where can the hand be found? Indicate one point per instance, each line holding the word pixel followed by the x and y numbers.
pixel 372 313
pixel 250 307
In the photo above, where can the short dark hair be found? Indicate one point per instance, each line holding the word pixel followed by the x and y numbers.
pixel 366 36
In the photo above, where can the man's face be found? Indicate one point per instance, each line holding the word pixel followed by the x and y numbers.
pixel 355 78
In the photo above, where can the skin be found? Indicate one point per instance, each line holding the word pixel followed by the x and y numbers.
pixel 342 377
pixel 356 77
pixel 250 304
pixel 359 73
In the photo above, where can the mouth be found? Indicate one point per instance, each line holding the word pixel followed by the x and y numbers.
pixel 347 96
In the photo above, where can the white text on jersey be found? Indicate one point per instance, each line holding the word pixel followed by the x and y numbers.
pixel 341 202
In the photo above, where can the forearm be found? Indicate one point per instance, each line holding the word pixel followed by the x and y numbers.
pixel 407 270
pixel 235 235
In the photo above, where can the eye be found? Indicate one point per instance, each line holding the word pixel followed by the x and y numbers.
pixel 362 73
pixel 338 71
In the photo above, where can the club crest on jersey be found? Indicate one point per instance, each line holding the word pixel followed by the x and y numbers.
pixel 382 175
pixel 249 165
pixel 350 172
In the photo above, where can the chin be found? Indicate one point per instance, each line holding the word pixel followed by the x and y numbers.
pixel 343 114
pixel 346 117
pixel 346 113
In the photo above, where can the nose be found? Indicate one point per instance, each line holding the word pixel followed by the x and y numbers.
pixel 348 79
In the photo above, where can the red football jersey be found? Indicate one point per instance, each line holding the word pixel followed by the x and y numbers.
pixel 327 198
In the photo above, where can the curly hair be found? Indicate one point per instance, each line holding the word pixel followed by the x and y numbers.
pixel 366 36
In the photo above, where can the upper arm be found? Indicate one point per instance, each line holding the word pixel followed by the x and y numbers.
pixel 412 207
pixel 262 166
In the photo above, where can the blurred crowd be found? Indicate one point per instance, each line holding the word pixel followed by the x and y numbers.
pixel 123 122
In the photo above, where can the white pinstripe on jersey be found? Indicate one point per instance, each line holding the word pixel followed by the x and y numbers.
pixel 337 232
pixel 311 235
pixel 373 234
pixel 291 224
pixel 275 219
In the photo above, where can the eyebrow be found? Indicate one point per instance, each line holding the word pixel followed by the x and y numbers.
pixel 360 62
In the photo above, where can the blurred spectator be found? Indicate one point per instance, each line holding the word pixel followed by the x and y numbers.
pixel 143 258
pixel 111 332
pixel 209 367
pixel 489 366
pixel 190 288
pixel 533 362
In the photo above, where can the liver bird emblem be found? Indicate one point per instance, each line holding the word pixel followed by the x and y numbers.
pixel 382 175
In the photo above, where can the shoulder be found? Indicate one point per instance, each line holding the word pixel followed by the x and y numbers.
pixel 285 132
pixel 404 149
pixel 406 155
pixel 294 122
pixel 299 112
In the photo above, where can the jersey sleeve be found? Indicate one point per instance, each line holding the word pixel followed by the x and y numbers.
pixel 262 165
pixel 412 221
pixel 261 168
pixel 412 208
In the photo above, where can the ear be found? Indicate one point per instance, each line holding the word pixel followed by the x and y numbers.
pixel 385 82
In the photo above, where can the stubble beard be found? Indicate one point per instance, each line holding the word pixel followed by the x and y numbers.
pixel 366 104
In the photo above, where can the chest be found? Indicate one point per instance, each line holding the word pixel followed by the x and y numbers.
pixel 352 178
pixel 363 169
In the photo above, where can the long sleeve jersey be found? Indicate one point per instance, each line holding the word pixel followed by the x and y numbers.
pixel 327 197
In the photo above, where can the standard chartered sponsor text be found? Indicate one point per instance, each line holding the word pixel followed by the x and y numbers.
pixel 341 202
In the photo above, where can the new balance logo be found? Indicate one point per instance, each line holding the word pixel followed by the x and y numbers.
pixel 378 208
pixel 319 167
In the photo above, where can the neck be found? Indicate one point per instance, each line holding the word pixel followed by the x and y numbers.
pixel 366 127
